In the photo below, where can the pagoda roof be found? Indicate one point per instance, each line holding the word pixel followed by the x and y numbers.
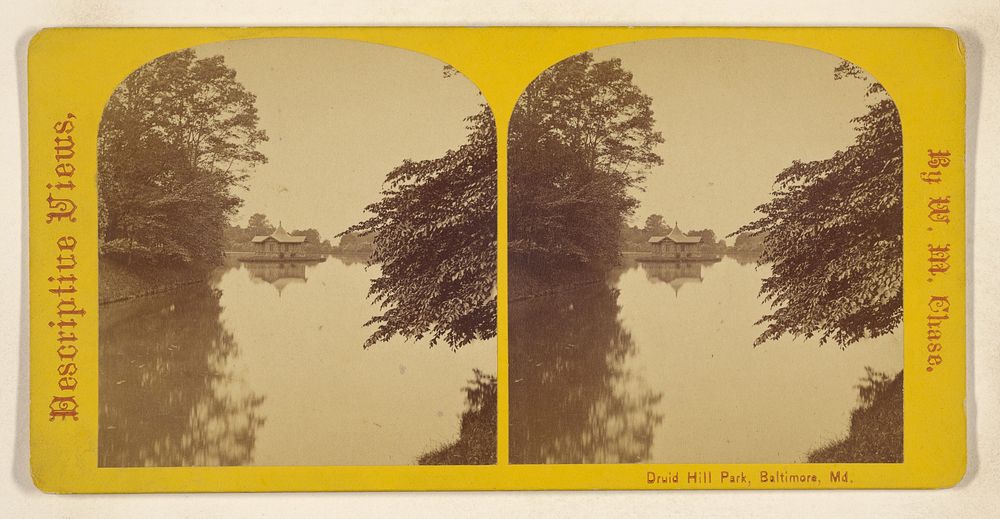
pixel 676 236
pixel 280 236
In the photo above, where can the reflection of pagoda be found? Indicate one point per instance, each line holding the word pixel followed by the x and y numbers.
pixel 673 273
pixel 278 274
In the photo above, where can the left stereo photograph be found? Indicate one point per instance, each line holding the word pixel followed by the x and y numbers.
pixel 297 259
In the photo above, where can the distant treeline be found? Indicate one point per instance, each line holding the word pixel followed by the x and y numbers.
pixel 636 239
pixel 239 239
pixel 746 243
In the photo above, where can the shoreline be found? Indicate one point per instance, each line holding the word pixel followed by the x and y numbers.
pixel 558 289
pixel 875 433
pixel 526 281
pixel 157 290
pixel 118 282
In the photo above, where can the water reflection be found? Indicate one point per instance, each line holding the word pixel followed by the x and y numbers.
pixel 659 366
pixel 167 397
pixel 744 258
pixel 263 365
pixel 278 274
pixel 352 258
pixel 575 399
pixel 675 274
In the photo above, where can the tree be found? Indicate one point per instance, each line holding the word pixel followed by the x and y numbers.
pixel 581 138
pixel 236 238
pixel 435 241
pixel 656 225
pixel 477 433
pixel 177 137
pixel 258 225
pixel 313 239
pixel 633 238
pixel 749 243
pixel 312 235
pixel 351 242
pixel 834 234
pixel 707 236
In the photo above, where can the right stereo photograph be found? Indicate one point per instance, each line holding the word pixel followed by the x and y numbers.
pixel 705 258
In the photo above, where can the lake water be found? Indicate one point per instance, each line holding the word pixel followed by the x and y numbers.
pixel 263 365
pixel 658 365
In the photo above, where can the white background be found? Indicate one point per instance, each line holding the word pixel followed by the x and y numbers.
pixel 978 22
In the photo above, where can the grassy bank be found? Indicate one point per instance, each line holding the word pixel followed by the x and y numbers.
pixel 119 281
pixel 477 437
pixel 876 433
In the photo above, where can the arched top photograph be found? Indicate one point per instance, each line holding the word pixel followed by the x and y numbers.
pixel 690 211
pixel 288 218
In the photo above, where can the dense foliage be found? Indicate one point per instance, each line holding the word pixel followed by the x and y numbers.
pixel 656 225
pixel 176 139
pixel 834 234
pixel 435 240
pixel 477 433
pixel 749 243
pixel 876 431
pixel 259 225
pixel 581 139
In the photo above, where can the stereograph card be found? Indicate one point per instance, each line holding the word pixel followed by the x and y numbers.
pixel 301 259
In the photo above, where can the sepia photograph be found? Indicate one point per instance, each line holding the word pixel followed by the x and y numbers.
pixel 705 258
pixel 298 245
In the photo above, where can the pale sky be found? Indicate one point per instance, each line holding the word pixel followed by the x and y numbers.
pixel 734 113
pixel 340 115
